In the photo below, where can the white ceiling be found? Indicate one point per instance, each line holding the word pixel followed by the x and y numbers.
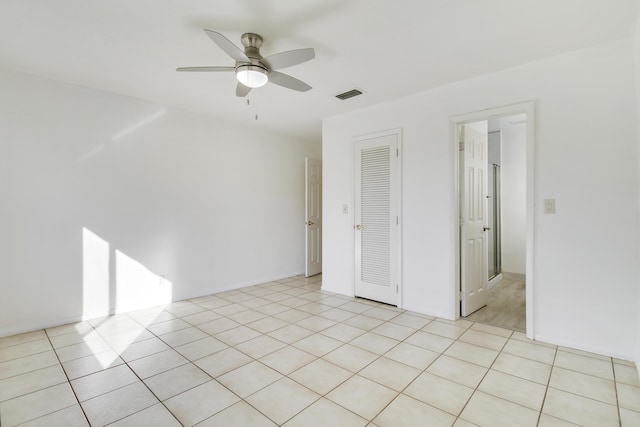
pixel 388 48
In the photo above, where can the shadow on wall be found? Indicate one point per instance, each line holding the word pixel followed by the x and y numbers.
pixel 117 285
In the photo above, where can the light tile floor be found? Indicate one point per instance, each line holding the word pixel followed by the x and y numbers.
pixel 286 353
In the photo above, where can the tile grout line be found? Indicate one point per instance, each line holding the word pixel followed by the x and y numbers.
pixel 27 372
pixel 343 343
pixel 379 356
pixel 250 356
pixel 283 375
pixel 546 389
pixel 427 367
pixel 314 304
pixel 401 392
pixel 458 417
pixel 67 377
pixel 189 362
pixel 615 389
pixel 125 362
pixel 27 355
pixel 434 360
pixel 68 381
pixel 147 387
pixel 287 375
pixel 323 396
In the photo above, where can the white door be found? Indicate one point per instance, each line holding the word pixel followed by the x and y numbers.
pixel 473 208
pixel 313 215
pixel 376 218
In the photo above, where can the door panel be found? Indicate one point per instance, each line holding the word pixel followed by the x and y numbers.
pixel 313 215
pixel 473 222
pixel 376 218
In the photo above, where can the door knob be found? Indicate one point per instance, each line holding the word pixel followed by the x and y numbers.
pixel 309 223
pixel 358 227
pixel 486 228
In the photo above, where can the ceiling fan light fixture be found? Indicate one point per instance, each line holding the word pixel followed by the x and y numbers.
pixel 252 76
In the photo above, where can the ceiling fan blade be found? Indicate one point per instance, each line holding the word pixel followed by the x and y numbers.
pixel 231 49
pixel 290 58
pixel 205 69
pixel 242 90
pixel 287 81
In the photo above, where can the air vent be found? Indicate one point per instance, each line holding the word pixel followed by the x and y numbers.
pixel 349 94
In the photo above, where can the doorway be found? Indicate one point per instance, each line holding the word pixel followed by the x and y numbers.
pixel 313 217
pixel 495 286
pixel 494 199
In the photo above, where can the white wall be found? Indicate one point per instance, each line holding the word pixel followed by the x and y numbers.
pixel 585 152
pixel 158 192
pixel 636 56
pixel 514 195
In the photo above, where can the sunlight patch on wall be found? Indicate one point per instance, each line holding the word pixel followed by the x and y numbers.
pixel 142 123
pixel 137 287
pixel 95 275
pixel 122 134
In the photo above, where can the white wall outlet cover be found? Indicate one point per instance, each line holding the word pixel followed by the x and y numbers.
pixel 549 206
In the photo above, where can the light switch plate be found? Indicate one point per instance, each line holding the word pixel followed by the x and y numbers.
pixel 549 206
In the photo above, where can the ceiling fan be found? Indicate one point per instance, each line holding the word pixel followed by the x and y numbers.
pixel 252 70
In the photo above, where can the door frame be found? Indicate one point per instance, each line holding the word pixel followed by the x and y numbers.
pixel 398 189
pixel 528 108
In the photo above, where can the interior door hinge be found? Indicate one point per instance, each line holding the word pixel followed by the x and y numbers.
pixel 461 296
pixel 397 152
pixel 397 287
pixel 461 146
pixel 397 222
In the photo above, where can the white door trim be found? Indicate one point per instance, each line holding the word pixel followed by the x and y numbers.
pixel 398 190
pixel 527 107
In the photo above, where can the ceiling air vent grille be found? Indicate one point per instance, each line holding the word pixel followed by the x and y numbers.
pixel 349 94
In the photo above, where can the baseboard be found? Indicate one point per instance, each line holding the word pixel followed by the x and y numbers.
pixel 6 331
pixel 234 286
pixel 514 276
pixel 590 349
pixel 37 325
pixel 494 280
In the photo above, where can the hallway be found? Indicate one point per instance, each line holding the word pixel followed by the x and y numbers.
pixel 505 307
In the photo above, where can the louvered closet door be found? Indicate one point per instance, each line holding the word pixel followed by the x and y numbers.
pixel 376 218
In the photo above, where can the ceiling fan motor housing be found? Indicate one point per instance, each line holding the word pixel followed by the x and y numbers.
pixel 252 43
